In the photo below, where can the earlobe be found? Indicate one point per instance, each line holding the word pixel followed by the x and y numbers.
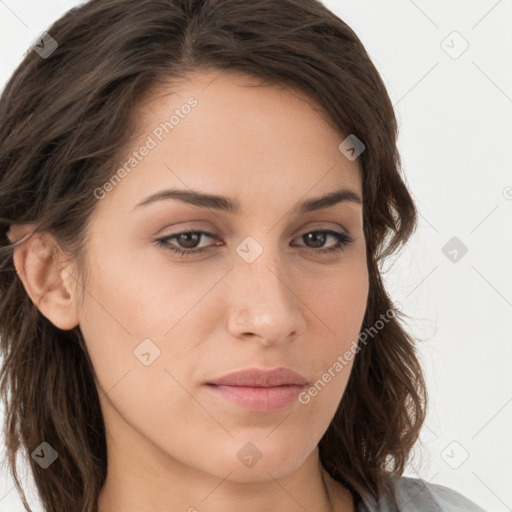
pixel 38 267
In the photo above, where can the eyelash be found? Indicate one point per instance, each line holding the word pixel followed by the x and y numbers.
pixel 343 241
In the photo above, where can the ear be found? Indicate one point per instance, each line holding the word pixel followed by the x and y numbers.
pixel 49 284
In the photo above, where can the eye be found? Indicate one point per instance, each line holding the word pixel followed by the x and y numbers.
pixel 188 239
pixel 318 238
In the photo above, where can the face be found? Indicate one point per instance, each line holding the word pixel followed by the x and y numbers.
pixel 268 282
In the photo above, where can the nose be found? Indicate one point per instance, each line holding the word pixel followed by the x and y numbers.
pixel 263 303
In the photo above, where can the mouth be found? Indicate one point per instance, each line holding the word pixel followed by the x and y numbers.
pixel 259 390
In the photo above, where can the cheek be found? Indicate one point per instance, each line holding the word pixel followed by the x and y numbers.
pixel 338 300
pixel 338 306
pixel 131 301
pixel 128 313
pixel 137 297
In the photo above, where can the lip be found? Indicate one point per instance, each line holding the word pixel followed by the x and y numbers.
pixel 259 390
pixel 254 377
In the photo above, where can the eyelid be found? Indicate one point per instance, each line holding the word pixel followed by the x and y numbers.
pixel 338 228
pixel 343 239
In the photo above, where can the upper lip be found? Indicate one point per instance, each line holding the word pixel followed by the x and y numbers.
pixel 254 377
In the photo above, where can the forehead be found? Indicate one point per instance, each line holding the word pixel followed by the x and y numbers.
pixel 236 103
pixel 228 134
pixel 234 87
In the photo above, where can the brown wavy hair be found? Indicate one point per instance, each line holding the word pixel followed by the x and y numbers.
pixel 65 122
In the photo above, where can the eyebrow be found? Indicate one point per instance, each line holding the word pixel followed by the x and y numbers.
pixel 228 205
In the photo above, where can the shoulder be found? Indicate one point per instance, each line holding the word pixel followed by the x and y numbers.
pixel 417 495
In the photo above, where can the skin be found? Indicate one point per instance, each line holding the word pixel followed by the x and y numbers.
pixel 172 444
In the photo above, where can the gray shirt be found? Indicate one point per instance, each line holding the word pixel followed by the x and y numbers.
pixel 417 495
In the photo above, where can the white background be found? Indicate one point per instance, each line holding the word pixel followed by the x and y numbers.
pixel 455 117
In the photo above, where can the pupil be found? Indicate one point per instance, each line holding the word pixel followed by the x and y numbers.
pixel 318 239
pixel 187 243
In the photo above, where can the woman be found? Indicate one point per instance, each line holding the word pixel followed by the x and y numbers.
pixel 196 197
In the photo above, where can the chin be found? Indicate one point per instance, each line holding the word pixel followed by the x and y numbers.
pixel 260 473
pixel 260 461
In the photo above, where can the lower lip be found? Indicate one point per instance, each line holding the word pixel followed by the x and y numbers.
pixel 259 399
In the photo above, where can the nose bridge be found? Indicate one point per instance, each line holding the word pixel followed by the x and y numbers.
pixel 259 269
pixel 262 300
